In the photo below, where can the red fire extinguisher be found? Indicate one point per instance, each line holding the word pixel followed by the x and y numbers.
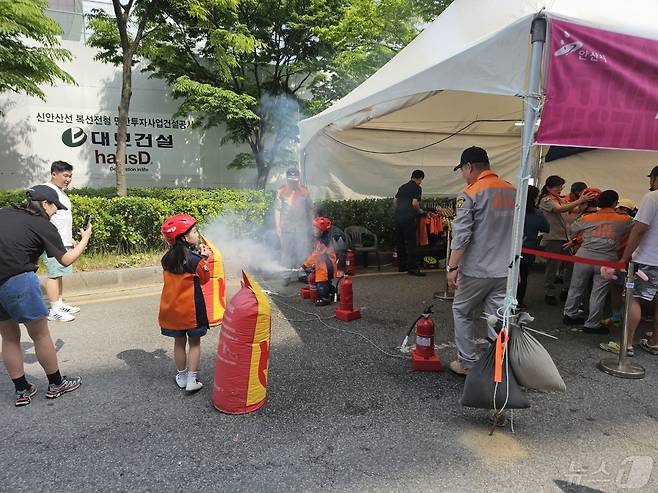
pixel 394 258
pixel 345 310
pixel 312 288
pixel 349 262
pixel 423 357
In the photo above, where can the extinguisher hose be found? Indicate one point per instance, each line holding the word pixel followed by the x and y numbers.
pixel 406 338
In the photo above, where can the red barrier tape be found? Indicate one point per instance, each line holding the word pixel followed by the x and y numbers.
pixel 573 258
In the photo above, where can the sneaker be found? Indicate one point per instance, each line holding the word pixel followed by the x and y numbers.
pixel 193 386
pixel 59 316
pixel 610 322
pixel 567 320
pixel 181 380
pixel 550 300
pixel 599 329
pixel 416 273
pixel 322 302
pixel 69 384
pixel 24 397
pixel 456 367
pixel 613 347
pixel 68 308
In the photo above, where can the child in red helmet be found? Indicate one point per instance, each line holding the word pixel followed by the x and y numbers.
pixel 183 313
pixel 322 260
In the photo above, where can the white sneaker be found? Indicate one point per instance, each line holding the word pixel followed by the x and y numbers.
pixel 68 308
pixel 193 386
pixel 181 380
pixel 60 316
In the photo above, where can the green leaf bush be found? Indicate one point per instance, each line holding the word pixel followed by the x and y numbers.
pixel 132 224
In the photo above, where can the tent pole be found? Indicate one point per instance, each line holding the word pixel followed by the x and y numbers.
pixel 532 103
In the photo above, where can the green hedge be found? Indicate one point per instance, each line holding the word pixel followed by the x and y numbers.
pixel 132 224
pixel 374 214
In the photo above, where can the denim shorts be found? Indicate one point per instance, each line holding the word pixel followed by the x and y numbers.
pixel 21 299
pixel 54 269
pixel 646 289
pixel 198 332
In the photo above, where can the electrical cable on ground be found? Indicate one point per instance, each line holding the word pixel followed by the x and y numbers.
pixel 322 321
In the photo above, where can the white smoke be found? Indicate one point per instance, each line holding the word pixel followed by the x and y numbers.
pixel 255 256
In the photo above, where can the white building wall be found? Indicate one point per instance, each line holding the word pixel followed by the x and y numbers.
pixel 76 123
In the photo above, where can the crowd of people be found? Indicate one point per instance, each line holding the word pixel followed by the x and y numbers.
pixel 586 225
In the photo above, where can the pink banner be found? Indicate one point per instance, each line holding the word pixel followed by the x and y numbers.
pixel 602 89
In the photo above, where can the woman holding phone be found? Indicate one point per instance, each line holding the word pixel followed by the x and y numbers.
pixel 27 233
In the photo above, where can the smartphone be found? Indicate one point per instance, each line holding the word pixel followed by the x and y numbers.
pixel 87 222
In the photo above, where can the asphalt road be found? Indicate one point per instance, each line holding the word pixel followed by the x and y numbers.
pixel 341 414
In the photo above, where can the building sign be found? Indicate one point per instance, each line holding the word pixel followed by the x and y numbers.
pixel 151 139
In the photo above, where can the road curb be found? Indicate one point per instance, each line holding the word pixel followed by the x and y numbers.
pixel 81 281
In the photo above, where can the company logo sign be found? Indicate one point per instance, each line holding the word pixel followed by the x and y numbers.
pixel 74 137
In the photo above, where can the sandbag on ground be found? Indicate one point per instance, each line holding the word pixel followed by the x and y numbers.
pixel 533 366
pixel 479 386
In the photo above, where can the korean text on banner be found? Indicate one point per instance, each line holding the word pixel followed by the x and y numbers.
pixel 601 89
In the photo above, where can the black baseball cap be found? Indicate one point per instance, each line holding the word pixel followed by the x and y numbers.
pixel 44 192
pixel 472 155
pixel 292 173
pixel 654 172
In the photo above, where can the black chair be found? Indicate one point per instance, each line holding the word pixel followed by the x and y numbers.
pixel 362 240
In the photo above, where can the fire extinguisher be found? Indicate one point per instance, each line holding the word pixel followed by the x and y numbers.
pixel 312 288
pixel 394 258
pixel 349 262
pixel 345 310
pixel 423 357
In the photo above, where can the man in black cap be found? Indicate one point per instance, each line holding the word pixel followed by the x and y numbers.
pixel 407 210
pixel 293 215
pixel 25 233
pixel 481 238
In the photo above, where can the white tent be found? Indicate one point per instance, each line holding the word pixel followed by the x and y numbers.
pixel 466 74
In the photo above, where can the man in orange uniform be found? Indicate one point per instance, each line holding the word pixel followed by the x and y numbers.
pixel 481 237
pixel 293 211
pixel 604 234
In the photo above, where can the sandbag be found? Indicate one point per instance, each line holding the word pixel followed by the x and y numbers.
pixel 241 367
pixel 533 366
pixel 214 291
pixel 479 386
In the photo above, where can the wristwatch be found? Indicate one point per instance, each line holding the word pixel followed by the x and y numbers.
pixel 451 269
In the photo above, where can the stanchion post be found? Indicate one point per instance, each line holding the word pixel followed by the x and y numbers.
pixel 621 367
pixel 446 296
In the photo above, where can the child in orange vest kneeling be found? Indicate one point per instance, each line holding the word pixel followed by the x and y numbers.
pixel 322 261
pixel 183 314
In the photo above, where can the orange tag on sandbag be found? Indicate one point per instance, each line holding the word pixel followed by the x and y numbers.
pixel 501 343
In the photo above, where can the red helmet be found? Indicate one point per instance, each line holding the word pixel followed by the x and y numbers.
pixel 176 226
pixel 596 192
pixel 322 223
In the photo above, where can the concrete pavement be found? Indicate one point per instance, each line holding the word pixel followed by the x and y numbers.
pixel 344 412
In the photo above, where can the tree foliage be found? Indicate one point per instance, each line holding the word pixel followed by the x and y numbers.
pixel 29 48
pixel 257 66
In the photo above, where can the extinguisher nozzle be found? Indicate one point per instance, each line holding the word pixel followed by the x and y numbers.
pixel 404 344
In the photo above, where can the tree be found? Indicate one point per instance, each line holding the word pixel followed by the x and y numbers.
pixel 119 40
pixel 255 68
pixel 29 48
pixel 369 34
